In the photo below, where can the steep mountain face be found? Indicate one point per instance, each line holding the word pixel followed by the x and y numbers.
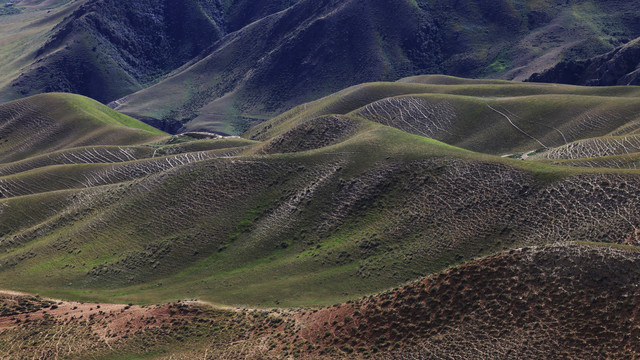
pixel 317 47
pixel 618 67
pixel 106 49
pixel 313 48
pixel 240 13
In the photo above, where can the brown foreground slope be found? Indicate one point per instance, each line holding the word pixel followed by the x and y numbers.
pixel 560 301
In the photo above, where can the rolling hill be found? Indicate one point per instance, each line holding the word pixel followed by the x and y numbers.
pixel 441 186
pixel 327 202
pixel 50 122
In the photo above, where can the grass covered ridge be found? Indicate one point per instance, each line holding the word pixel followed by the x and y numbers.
pixel 337 198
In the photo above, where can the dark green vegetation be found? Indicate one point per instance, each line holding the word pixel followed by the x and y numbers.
pixel 334 199
pixel 226 65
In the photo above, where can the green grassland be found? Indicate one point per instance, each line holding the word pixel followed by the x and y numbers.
pixel 526 117
pixel 51 122
pixel 339 198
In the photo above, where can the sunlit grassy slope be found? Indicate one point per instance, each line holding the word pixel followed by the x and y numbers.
pixel 341 197
pixel 473 114
pixel 51 122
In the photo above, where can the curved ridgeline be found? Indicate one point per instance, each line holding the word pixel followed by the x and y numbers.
pixel 365 190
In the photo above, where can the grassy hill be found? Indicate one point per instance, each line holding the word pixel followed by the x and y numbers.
pixel 572 300
pixel 474 114
pixel 336 201
pixel 50 122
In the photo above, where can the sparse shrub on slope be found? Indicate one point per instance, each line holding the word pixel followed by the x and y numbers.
pixel 574 301
pixel 571 300
pixel 313 134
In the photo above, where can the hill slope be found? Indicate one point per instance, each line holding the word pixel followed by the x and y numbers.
pixel 574 301
pixel 326 203
pixel 51 122
pixel 317 47
pixel 618 67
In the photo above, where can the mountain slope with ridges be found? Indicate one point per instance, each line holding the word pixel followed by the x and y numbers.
pixel 618 67
pixel 315 48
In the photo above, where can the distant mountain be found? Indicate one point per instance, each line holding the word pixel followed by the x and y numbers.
pixel 226 65
pixel 106 49
pixel 317 47
pixel 618 67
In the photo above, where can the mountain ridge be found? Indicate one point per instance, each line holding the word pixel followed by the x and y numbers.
pixel 618 67
pixel 426 37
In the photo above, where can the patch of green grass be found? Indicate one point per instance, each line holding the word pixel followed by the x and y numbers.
pixel 94 110
pixel 500 65
pixel 10 10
